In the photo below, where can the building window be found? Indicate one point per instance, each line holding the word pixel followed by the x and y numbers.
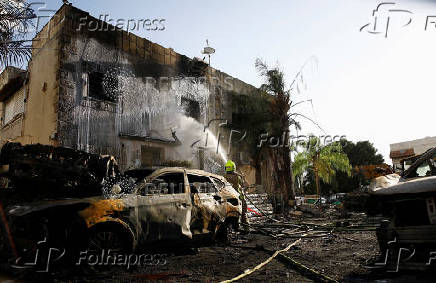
pixel 101 87
pixel 191 108
pixel 13 106
pixel 151 156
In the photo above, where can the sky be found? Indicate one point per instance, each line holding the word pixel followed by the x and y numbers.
pixel 363 84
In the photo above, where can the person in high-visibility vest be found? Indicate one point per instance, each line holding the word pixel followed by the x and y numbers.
pixel 236 180
pixel 230 167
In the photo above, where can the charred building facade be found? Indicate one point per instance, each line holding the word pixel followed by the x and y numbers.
pixel 104 90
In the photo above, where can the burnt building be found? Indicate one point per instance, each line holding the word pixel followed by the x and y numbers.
pixel 107 91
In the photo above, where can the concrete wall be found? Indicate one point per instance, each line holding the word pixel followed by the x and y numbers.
pixel 60 108
pixel 148 112
pixel 40 118
pixel 38 123
pixel 420 145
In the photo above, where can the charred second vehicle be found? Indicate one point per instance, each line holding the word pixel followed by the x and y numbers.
pixel 407 202
pixel 172 203
pixel 407 236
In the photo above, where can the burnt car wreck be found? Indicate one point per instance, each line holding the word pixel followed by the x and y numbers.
pixel 80 201
pixel 407 235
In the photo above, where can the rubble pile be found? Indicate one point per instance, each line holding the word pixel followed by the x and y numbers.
pixel 50 171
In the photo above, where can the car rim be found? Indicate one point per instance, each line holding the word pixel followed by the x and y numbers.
pixel 105 240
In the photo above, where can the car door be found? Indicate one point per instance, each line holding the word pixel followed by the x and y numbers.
pixel 164 208
pixel 208 207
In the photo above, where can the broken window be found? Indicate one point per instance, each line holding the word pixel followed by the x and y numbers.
pixel 97 89
pixel 191 108
pixel 171 183
pixel 201 184
pixel 218 183
pixel 423 170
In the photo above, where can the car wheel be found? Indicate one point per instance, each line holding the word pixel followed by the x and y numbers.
pixel 106 240
pixel 105 243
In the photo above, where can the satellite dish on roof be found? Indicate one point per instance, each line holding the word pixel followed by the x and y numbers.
pixel 208 50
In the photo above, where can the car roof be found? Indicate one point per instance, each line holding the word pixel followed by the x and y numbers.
pixel 188 171
pixel 416 186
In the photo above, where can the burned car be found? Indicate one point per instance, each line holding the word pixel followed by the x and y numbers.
pixel 213 199
pixel 172 205
pixel 407 236
pixel 420 166
pixel 417 167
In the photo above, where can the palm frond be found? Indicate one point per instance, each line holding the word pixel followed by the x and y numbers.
pixel 15 20
pixel 14 52
pixel 302 163
pixel 325 159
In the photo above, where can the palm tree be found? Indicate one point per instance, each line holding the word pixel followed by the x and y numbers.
pixel 15 20
pixel 324 161
pixel 281 120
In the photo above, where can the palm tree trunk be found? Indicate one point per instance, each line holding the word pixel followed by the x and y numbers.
pixel 317 176
pixel 317 183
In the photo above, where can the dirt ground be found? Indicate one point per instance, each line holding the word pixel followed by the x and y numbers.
pixel 334 255
pixel 340 255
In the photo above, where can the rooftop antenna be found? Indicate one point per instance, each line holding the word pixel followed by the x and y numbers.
pixel 208 50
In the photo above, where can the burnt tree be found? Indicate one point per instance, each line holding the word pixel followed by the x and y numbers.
pixel 281 121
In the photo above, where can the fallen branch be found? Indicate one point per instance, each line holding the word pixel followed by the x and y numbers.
pixel 262 231
pixel 249 271
pixel 349 239
pixel 306 271
pixel 340 229
pixel 278 225
pixel 306 236
pixel 297 231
